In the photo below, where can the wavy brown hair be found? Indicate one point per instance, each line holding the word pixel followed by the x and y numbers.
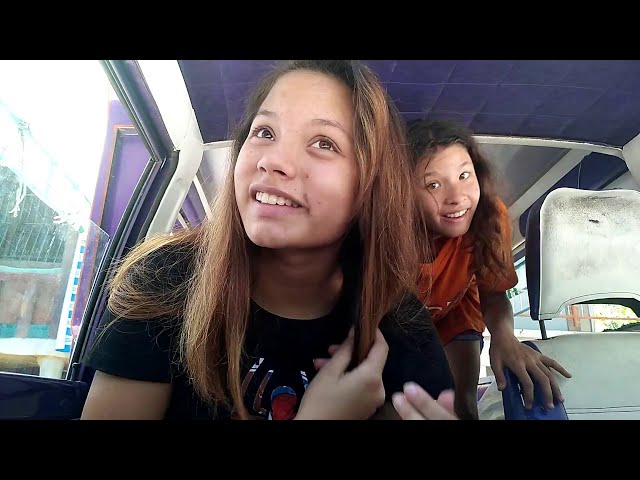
pixel 215 300
pixel 425 137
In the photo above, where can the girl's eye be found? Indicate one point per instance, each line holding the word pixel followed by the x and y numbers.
pixel 262 132
pixel 464 175
pixel 324 144
pixel 432 185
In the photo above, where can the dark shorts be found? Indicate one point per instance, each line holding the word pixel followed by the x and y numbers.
pixel 471 336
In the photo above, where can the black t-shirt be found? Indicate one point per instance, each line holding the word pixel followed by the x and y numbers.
pixel 278 365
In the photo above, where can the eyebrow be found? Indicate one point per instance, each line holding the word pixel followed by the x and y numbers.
pixel 322 122
pixel 463 164
pixel 266 113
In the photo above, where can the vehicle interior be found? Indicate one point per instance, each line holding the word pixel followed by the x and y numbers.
pixel 563 137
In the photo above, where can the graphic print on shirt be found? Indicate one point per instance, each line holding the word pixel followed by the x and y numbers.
pixel 271 392
pixel 438 312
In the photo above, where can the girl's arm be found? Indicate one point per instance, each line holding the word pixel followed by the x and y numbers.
pixel 118 398
pixel 497 313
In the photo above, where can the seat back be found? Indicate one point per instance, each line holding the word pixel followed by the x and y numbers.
pixel 584 247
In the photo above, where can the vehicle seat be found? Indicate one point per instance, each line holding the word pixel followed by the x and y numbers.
pixel 584 247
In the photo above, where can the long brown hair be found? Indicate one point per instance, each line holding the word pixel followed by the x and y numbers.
pixel 215 301
pixel 425 137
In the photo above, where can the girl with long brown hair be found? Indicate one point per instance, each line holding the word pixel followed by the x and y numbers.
pixel 312 236
pixel 465 285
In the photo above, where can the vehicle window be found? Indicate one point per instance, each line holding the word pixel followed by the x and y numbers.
pixel 70 159
pixel 575 318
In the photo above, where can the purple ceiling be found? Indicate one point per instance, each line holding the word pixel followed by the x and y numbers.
pixel 588 100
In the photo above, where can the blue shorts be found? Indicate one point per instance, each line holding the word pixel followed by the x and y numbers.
pixel 471 336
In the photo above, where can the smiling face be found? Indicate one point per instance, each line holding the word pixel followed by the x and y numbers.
pixel 448 190
pixel 296 176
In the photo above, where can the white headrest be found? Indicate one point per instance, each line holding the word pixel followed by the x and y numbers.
pixel 589 247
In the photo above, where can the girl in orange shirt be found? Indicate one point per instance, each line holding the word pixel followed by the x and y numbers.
pixel 465 286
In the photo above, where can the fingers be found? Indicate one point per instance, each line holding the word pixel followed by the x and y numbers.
pixel 555 392
pixel 370 370
pixel 377 356
pixel 404 408
pixel 367 376
pixel 538 366
pixel 550 363
pixel 320 362
pixel 555 388
pixel 537 371
pixel 333 349
pixel 501 380
pixel 340 360
pixel 425 404
pixel 545 383
pixel 416 404
pixel 529 365
pixel 447 400
pixel 526 384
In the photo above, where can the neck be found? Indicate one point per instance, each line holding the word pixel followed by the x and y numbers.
pixel 300 284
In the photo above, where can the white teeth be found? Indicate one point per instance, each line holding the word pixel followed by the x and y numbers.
pixel 263 197
pixel 457 214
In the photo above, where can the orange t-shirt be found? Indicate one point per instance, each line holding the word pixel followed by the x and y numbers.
pixel 454 300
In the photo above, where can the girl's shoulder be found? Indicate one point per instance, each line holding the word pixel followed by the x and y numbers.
pixel 409 323
pixel 141 343
pixel 416 353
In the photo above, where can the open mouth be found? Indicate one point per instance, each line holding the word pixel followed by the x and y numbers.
pixel 269 199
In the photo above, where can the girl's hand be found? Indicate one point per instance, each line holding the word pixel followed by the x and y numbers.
pixel 335 394
pixel 528 365
pixel 416 404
